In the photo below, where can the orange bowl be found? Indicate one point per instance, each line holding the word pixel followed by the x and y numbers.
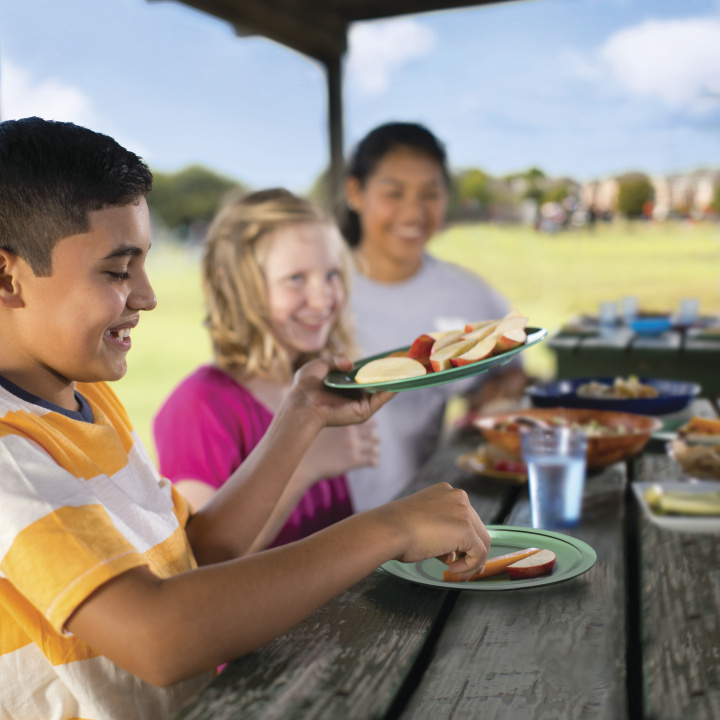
pixel 603 450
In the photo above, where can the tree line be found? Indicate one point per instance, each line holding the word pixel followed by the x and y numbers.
pixel 190 197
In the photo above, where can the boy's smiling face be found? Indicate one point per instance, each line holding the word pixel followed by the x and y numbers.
pixel 74 325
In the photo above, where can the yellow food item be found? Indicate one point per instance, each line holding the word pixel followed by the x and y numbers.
pixel 388 369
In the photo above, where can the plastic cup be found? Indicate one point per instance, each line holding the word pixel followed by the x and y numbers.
pixel 608 313
pixel 556 461
pixel 689 309
pixel 629 305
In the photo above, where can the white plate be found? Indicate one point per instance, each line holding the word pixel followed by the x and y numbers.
pixel 682 523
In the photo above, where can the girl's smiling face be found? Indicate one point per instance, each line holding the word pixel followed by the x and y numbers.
pixel 401 206
pixel 304 286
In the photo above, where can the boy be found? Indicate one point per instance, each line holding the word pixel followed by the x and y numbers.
pixel 115 600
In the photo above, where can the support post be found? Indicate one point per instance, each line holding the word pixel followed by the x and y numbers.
pixel 333 67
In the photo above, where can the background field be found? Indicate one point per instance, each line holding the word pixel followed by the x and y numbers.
pixel 549 277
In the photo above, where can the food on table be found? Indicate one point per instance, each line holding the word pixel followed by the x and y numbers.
pixel 702 430
pixel 388 369
pixel 440 351
pixel 631 388
pixel 591 428
pixel 537 564
pixel 494 566
pixel 697 460
pixel 676 502
pixel 487 458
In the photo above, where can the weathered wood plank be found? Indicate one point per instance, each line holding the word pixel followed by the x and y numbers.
pixel 557 651
pixel 679 603
pixel 351 658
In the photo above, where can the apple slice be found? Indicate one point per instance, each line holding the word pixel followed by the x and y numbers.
pixel 445 340
pixel 442 360
pixel 540 563
pixel 477 351
pixel 421 347
pixel 479 325
pixel 494 566
pixel 388 369
pixel 482 332
pixel 509 339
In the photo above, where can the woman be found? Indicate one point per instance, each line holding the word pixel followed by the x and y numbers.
pixel 396 192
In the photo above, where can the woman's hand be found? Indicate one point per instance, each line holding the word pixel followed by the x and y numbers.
pixel 338 450
pixel 329 406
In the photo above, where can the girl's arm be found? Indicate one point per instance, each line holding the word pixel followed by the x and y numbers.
pixel 231 522
pixel 166 630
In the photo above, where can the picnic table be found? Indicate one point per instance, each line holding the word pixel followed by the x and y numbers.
pixel 585 349
pixel 637 636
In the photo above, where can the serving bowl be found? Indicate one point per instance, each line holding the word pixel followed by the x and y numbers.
pixel 651 326
pixel 634 431
pixel 673 395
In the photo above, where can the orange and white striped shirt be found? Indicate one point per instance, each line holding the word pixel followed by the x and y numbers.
pixel 80 503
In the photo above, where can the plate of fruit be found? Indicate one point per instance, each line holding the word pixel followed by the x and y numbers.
pixel 443 357
pixel 494 462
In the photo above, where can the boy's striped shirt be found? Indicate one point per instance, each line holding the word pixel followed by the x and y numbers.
pixel 80 503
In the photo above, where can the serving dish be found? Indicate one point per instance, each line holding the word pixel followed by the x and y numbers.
pixel 603 450
pixel 651 326
pixel 680 523
pixel 673 395
pixel 346 381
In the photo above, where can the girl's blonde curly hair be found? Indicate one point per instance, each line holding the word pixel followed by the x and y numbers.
pixel 236 248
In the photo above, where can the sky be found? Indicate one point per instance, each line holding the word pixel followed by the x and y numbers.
pixel 580 88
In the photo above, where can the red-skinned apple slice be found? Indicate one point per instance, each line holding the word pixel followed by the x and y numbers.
pixel 509 340
pixel 421 347
pixel 477 351
pixel 442 360
pixel 541 563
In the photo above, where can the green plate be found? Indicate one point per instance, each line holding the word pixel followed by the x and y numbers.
pixel 573 558
pixel 346 381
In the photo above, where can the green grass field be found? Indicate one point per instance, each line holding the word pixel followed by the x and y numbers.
pixel 549 278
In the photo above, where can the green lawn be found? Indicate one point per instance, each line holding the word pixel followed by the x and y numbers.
pixel 549 278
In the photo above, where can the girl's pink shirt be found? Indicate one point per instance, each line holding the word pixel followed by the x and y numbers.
pixel 208 426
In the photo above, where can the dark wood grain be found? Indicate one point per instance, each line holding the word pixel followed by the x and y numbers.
pixel 680 602
pixel 679 597
pixel 556 651
pixel 354 657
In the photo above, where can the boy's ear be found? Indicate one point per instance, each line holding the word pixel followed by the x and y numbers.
pixel 10 295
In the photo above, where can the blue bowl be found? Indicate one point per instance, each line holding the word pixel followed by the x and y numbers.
pixel 673 395
pixel 651 325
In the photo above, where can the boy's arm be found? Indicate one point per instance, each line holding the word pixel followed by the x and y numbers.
pixel 165 630
pixel 228 525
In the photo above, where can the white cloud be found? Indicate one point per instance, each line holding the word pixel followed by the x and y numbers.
pixel 378 49
pixel 23 96
pixel 677 61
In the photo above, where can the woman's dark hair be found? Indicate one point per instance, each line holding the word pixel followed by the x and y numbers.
pixel 52 174
pixel 372 149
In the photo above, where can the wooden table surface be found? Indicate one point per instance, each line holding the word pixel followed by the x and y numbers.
pixel 636 636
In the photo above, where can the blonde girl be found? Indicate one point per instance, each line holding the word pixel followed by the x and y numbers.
pixel 275 275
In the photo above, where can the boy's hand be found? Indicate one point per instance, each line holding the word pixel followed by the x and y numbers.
pixel 440 522
pixel 332 407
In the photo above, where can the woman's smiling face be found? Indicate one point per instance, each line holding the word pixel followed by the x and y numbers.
pixel 401 206
pixel 304 286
